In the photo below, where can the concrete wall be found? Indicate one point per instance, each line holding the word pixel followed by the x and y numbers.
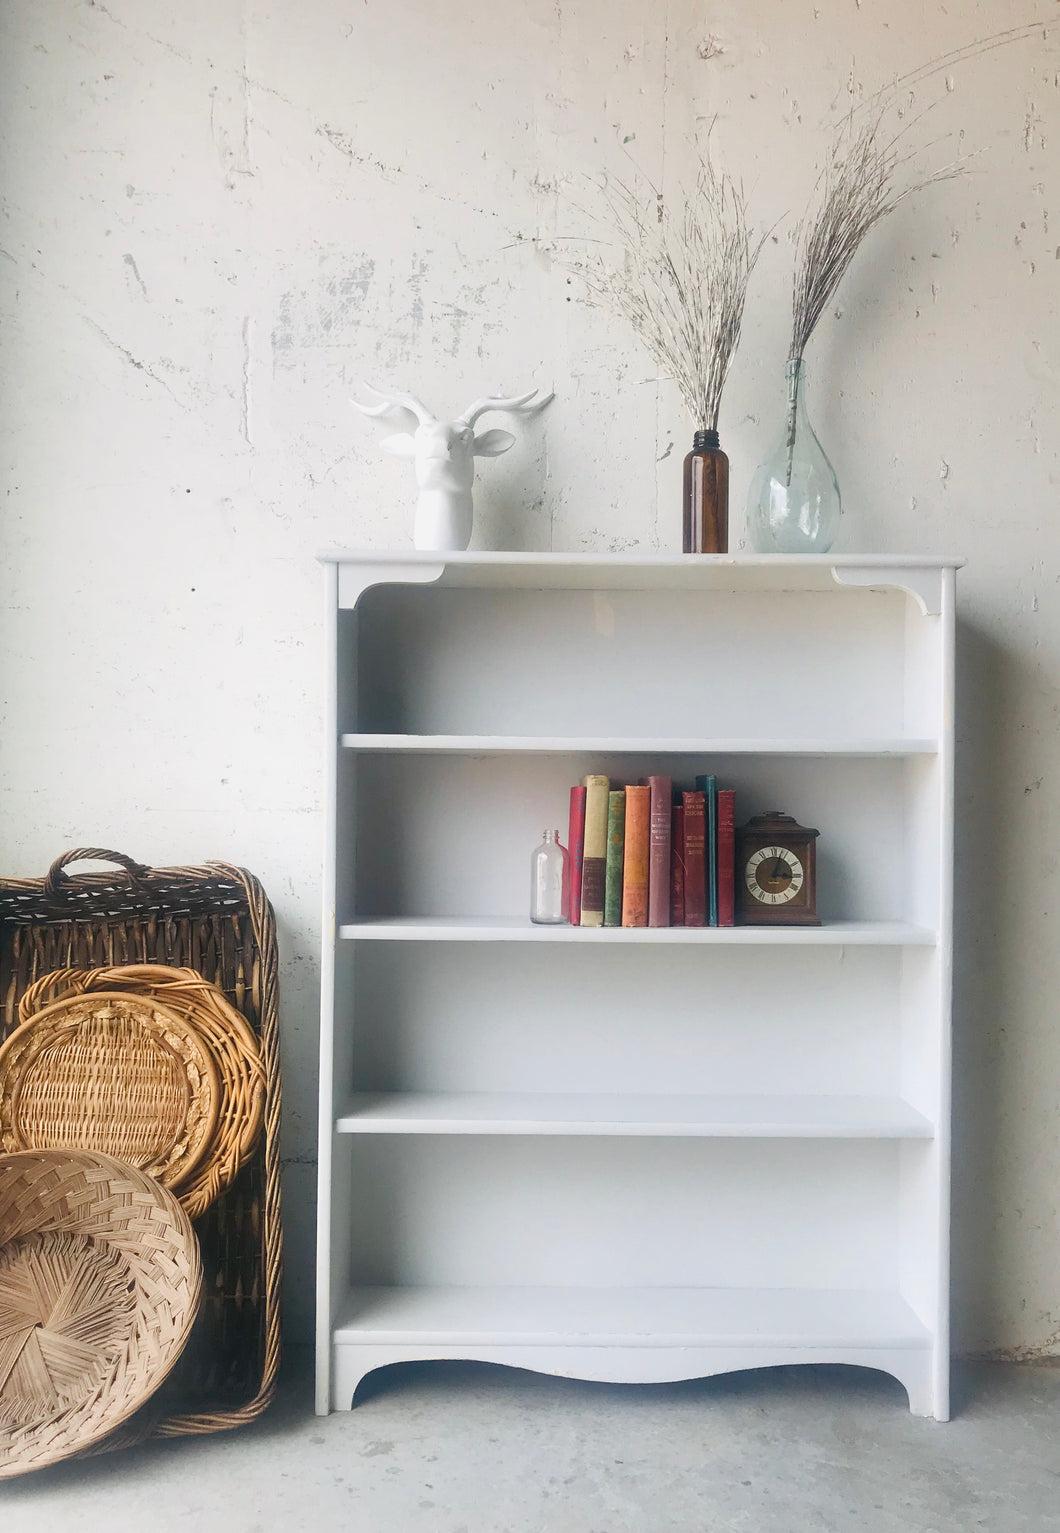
pixel 217 216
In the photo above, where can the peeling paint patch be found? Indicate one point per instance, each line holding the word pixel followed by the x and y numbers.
pixel 338 140
pixel 306 317
pixel 547 186
pixel 419 271
pixel 1046 1352
pixel 245 398
pixel 130 262
pixel 1032 122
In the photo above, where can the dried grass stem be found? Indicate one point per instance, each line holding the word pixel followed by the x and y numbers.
pixel 682 283
pixel 859 186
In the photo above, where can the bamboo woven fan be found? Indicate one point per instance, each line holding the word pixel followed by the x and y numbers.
pixel 137 1099
pixel 100 1280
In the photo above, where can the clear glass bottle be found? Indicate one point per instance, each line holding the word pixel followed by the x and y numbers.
pixel 550 882
pixel 705 512
pixel 794 505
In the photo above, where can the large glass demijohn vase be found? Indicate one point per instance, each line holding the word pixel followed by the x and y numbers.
pixel 794 505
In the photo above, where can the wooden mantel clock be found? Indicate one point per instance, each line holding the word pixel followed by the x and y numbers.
pixel 776 872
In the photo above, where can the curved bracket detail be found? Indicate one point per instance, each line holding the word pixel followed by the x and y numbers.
pixel 923 584
pixel 355 579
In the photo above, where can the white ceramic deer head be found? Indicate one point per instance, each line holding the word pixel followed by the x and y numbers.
pixel 444 454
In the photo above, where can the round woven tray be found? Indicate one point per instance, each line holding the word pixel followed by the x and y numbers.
pixel 100 1281
pixel 119 1074
pixel 232 1119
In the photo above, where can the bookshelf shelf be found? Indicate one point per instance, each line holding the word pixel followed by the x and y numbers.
pixel 634 1154
pixel 638 1317
pixel 774 1117
pixel 517 929
pixel 474 745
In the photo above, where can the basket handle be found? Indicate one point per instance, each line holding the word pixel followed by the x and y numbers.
pixel 56 878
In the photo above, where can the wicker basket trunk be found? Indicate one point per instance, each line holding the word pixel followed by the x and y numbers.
pixel 217 920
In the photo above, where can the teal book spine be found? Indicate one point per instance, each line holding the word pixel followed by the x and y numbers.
pixel 616 847
pixel 709 786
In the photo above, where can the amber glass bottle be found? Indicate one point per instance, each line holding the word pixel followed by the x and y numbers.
pixel 706 499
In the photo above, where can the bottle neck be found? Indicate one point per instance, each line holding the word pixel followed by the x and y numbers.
pixel 705 441
pixel 795 373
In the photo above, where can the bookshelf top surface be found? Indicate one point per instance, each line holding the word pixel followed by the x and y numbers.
pixel 495 558
pixel 358 569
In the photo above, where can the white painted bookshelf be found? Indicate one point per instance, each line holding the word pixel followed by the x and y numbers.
pixel 634 1155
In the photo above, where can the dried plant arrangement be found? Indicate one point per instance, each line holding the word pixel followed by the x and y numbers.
pixel 680 282
pixel 795 505
pixel 866 176
pixel 863 181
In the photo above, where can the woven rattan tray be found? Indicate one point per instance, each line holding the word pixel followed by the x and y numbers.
pixel 100 1282
pixel 216 920
pixel 112 1073
pixel 200 1022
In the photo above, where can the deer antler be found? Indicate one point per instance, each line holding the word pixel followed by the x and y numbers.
pixel 522 404
pixel 393 402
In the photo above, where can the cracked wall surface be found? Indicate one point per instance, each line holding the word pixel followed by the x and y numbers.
pixel 215 220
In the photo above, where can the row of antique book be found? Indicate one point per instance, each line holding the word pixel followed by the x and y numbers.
pixel 645 854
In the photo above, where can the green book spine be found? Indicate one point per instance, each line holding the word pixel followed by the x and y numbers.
pixel 709 785
pixel 594 859
pixel 616 846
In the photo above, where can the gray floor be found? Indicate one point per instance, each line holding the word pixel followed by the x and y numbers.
pixel 464 1448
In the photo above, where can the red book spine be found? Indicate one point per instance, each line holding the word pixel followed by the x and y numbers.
pixel 695 806
pixel 677 865
pixel 661 792
pixel 726 857
pixel 576 848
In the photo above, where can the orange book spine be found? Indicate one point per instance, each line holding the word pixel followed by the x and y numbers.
pixel 635 858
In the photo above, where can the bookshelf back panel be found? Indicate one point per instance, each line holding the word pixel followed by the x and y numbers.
pixel 452 835
pixel 495 1017
pixel 641 663
pixel 590 1212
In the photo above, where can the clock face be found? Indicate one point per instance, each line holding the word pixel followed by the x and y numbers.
pixel 773 875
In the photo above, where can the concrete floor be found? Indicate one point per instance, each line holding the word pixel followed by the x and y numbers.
pixel 465 1448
